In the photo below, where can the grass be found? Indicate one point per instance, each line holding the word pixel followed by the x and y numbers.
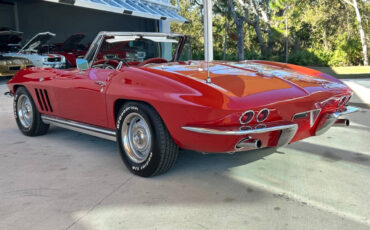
pixel 351 72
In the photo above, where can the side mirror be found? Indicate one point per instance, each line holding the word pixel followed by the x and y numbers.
pixel 82 64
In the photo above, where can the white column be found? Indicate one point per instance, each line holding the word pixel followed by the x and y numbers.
pixel 165 27
pixel 208 38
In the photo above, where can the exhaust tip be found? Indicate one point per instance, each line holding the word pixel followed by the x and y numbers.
pixel 249 143
pixel 258 144
pixel 342 123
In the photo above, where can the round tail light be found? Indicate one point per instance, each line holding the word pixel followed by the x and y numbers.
pixel 262 115
pixel 246 117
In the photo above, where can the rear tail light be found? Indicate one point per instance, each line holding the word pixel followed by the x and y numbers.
pixel 246 117
pixel 262 115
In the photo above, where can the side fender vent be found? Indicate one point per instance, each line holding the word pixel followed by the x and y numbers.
pixel 43 100
pixel 47 99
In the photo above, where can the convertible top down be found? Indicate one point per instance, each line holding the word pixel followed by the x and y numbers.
pixel 152 104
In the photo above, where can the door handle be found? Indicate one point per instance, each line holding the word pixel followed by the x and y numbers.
pixel 101 83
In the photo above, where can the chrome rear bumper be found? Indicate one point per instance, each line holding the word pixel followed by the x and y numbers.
pixel 287 132
pixel 332 119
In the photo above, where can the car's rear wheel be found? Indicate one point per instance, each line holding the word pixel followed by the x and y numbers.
pixel 146 146
pixel 26 114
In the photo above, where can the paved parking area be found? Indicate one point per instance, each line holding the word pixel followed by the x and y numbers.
pixel 68 180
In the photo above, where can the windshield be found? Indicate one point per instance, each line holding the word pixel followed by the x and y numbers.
pixel 134 48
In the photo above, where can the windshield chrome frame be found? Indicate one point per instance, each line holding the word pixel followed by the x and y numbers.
pixel 96 44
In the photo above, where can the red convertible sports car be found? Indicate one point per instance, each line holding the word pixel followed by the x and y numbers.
pixel 152 104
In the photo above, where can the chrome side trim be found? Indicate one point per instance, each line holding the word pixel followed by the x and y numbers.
pixel 8 94
pixel 80 127
pixel 238 132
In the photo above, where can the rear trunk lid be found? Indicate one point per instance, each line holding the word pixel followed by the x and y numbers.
pixel 247 78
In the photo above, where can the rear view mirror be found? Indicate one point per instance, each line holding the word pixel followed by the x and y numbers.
pixel 82 64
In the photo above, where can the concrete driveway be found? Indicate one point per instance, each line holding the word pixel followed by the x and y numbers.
pixel 67 180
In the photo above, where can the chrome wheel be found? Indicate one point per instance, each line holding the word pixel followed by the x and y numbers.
pixel 24 111
pixel 136 137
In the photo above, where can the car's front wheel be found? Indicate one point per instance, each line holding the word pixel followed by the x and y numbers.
pixel 146 146
pixel 26 114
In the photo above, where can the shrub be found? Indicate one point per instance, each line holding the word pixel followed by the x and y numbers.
pixel 310 57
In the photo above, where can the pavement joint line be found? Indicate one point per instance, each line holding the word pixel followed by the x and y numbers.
pixel 99 203
pixel 301 199
pixel 361 91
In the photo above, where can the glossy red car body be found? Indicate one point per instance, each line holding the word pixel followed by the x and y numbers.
pixel 180 93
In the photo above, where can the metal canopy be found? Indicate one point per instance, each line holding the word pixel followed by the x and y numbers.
pixel 154 9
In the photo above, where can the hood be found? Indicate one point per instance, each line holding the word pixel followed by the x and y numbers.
pixel 240 79
pixel 36 43
pixel 10 37
pixel 72 41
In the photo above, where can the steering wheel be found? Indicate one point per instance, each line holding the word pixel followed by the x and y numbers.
pixel 105 64
pixel 153 60
pixel 110 63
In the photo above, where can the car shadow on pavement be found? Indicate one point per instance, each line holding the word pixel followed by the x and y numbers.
pixel 187 160
pixel 221 162
pixel 332 154
pixel 193 171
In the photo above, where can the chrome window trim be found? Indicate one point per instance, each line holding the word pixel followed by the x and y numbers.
pixel 100 37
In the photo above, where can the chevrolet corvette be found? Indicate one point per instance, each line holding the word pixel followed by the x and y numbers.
pixel 152 103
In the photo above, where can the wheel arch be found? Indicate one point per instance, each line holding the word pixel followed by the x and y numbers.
pixel 120 102
pixel 16 86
